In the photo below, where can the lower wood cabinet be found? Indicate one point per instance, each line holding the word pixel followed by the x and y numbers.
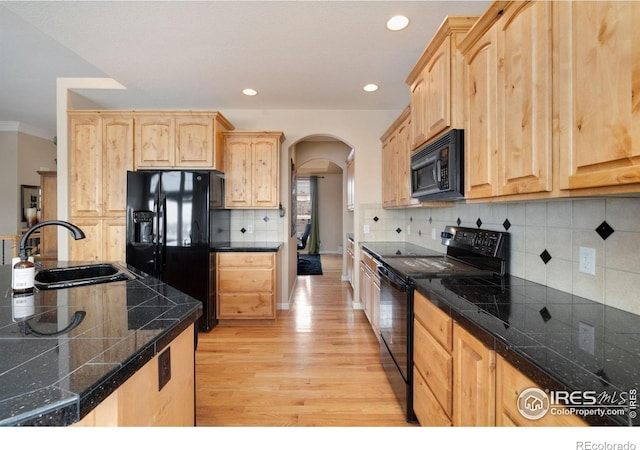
pixel 459 381
pixel 370 290
pixel 246 285
pixel 510 383
pixel 140 401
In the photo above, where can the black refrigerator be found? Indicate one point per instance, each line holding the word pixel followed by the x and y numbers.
pixel 173 218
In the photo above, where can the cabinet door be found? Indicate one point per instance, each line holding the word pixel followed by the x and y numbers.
pixel 525 99
pixel 194 142
pixel 418 111
pixel 403 163
pixel 473 381
pixel 115 242
pixel 85 167
pixel 265 172
pixel 155 142
pixel 389 172
pixel 481 148
pixel 49 235
pixel 117 158
pixel 599 88
pixel 238 174
pixel 90 248
pixel 438 99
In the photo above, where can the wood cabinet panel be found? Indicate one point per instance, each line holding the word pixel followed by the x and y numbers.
pixel 49 235
pixel 265 178
pixel 425 405
pixel 438 103
pixel 396 160
pixel 194 145
pixel 117 154
pixel 89 248
pixel 473 381
pixel 435 365
pixel 599 105
pixel 154 144
pixel 434 320
pixel 510 383
pixel 85 166
pixel 257 305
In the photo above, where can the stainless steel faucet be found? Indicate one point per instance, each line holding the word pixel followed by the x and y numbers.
pixel 75 231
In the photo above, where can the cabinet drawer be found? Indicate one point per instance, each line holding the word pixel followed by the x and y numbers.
pixel 510 382
pixel 245 260
pixel 249 306
pixel 427 409
pixel 437 322
pixel 435 365
pixel 256 280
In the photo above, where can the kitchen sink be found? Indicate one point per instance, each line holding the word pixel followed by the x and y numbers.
pixel 66 277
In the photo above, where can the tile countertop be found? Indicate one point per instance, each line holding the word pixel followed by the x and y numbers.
pixel 246 246
pixel 57 379
pixel 560 341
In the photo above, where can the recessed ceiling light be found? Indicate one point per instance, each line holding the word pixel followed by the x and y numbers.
pixel 249 92
pixel 371 87
pixel 397 23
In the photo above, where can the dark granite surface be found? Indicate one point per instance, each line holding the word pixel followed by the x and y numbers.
pixel 53 378
pixel 267 246
pixel 541 331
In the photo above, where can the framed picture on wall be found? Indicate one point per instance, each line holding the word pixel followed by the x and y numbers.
pixel 29 198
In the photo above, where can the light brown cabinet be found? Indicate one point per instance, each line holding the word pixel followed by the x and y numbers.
pixel 564 120
pixel 474 383
pixel 246 285
pixel 49 235
pixel 252 161
pixel 436 82
pixel 598 95
pixel 396 163
pixel 141 402
pixel 101 153
pixel 370 290
pixel 510 383
pixel 180 140
pixel 433 364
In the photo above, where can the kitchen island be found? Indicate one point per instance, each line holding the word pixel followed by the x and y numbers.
pixel 66 353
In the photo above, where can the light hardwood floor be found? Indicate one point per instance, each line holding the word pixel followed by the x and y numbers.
pixel 316 365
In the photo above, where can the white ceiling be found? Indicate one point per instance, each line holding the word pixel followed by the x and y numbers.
pixel 201 54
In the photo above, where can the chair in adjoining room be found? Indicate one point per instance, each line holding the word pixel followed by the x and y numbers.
pixel 302 242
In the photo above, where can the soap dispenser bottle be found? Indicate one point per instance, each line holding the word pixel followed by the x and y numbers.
pixel 23 275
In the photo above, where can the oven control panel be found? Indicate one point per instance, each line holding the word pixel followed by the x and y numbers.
pixel 482 242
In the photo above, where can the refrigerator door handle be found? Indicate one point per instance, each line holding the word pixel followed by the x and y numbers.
pixel 162 233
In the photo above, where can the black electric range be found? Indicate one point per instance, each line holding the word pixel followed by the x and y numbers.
pixel 470 254
pixel 390 249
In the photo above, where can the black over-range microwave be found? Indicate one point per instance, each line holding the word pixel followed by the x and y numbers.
pixel 437 170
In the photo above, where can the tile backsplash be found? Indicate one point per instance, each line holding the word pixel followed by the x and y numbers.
pixel 546 239
pixel 257 225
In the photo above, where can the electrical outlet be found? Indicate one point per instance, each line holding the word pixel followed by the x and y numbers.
pixel 250 229
pixel 586 337
pixel 588 260
pixel 366 228
pixel 433 234
pixel 164 368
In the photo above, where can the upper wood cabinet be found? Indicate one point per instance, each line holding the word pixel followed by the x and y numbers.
pixel 599 95
pixel 436 83
pixel 252 161
pixel 101 152
pixel 49 235
pixel 552 108
pixel 180 140
pixel 396 163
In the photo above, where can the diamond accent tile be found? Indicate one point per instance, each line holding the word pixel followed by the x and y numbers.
pixel 479 222
pixel 243 230
pixel 604 230
pixel 375 219
pixel 398 230
pixel 430 220
pixel 265 218
pixel 458 221
pixel 545 256
pixel 506 224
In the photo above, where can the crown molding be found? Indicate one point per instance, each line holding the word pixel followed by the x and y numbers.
pixel 20 127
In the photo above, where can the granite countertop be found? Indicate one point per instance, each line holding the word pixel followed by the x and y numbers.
pixel 559 340
pixel 382 249
pixel 266 246
pixel 47 378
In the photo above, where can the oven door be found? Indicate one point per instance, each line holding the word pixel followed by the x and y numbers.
pixel 396 325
